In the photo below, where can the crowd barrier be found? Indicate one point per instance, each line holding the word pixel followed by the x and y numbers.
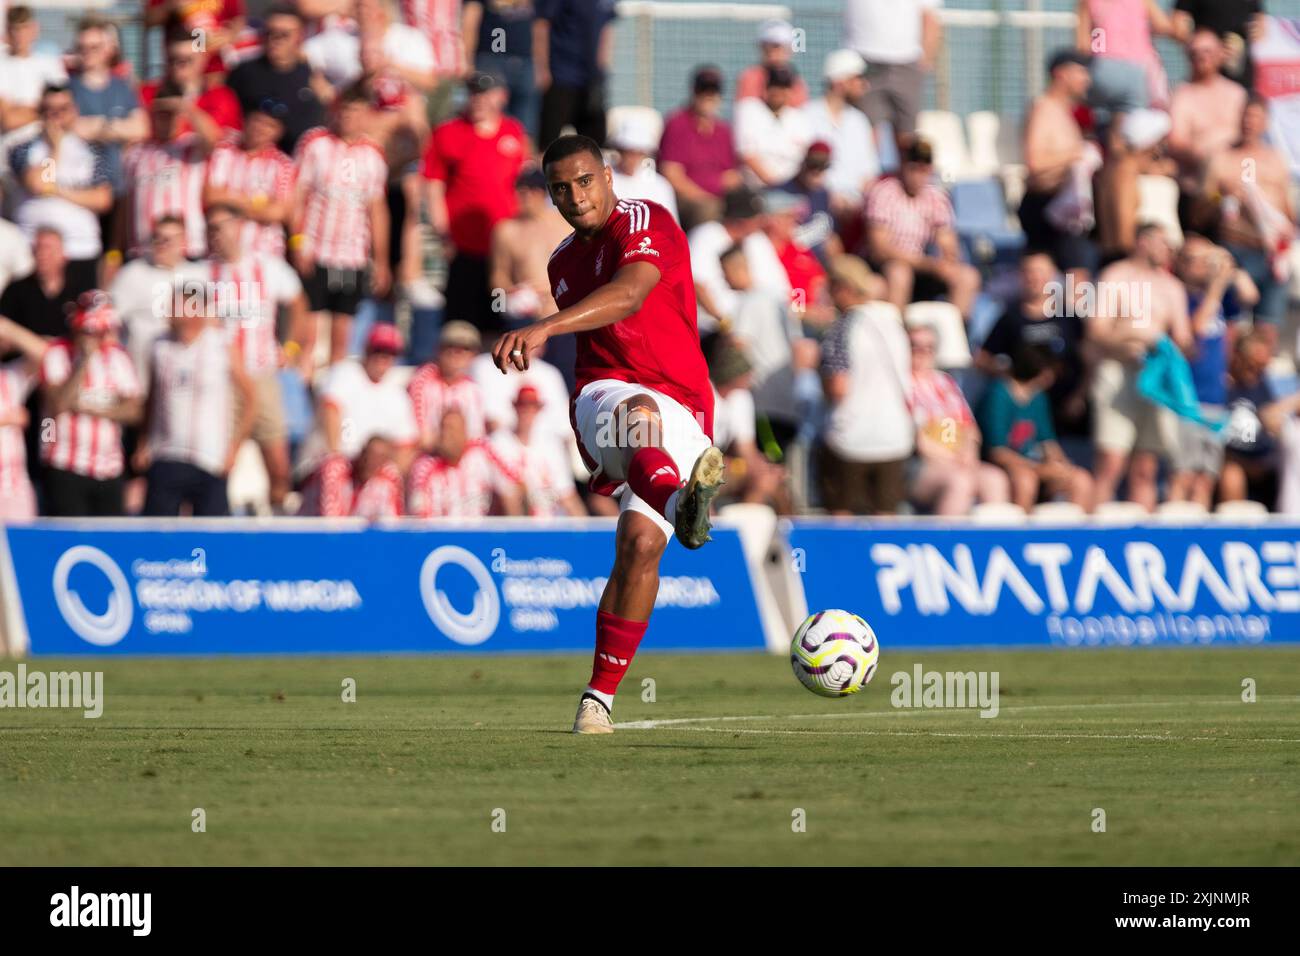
pixel 141 587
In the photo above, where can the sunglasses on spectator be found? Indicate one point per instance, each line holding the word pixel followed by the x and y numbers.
pixel 173 60
pixel 162 238
pixel 63 109
pixel 279 34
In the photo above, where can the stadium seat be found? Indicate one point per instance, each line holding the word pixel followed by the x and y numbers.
pixel 615 116
pixel 953 350
pixel 983 129
pixel 1120 513
pixel 1010 143
pixel 1158 203
pixel 1180 512
pixel 944 131
pixel 1057 512
pixel 998 513
pixel 980 209
pixel 884 309
pixel 249 488
pixel 1241 512
pixel 1013 176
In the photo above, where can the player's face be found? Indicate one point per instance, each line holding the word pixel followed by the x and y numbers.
pixel 582 190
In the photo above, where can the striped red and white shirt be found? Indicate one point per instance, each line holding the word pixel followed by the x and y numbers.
pixel 268 173
pixel 15 383
pixel 341 180
pixel 432 396
pixel 936 397
pixel 85 444
pixel 167 180
pixel 438 489
pixel 380 496
pixel 541 466
pixel 439 20
pixel 192 401
pixel 246 294
pixel 911 222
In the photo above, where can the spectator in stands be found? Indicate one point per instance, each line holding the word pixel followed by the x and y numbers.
pixel 210 111
pixel 64 186
pixel 446 383
pixel 90 391
pixel 900 40
pixel 528 450
pixel 191 434
pixel 906 216
pixel 462 478
pixel 282 75
pixel 246 288
pixel 816 220
pixel 363 396
pixel 136 287
pixel 697 153
pixel 498 37
pixel 751 477
pixel 867 376
pixel 110 111
pixel 471 164
pixel 254 177
pixel 442 24
pixel 807 279
pixel 1239 23
pixel 521 246
pixel 741 223
pixel 772 136
pixel 341 221
pixel 166 174
pixel 1137 303
pixel 42 301
pixel 335 52
pixel 18 376
pixel 634 168
pixel 1206 113
pixel 15 254
pixel 1041 316
pixel 24 73
pixel 1251 458
pixel 573 48
pixel 1016 422
pixel 835 120
pixel 219 22
pixel 775 47
pixel 1217 292
pixel 1055 155
pixel 1257 221
pixel 948 476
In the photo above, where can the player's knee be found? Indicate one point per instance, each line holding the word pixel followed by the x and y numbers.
pixel 641 546
pixel 642 424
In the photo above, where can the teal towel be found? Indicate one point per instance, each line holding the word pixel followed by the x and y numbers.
pixel 1166 379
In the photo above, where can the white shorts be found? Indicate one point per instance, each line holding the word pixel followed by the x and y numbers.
pixel 681 436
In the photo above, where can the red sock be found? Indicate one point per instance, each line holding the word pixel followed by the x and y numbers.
pixel 653 477
pixel 616 644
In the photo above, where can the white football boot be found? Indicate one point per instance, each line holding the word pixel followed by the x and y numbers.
pixel 592 717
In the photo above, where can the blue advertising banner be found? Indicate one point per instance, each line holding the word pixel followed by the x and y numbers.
pixel 920 584
pixel 188 589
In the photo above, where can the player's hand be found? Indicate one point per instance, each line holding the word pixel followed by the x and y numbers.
pixel 513 348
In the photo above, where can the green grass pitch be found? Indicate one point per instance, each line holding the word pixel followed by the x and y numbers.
pixel 435 750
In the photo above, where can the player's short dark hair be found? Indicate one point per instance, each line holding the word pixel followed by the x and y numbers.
pixel 567 146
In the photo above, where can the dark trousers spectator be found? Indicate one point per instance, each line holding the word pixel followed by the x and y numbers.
pixel 581 106
pixel 173 484
pixel 859 487
pixel 468 295
pixel 69 495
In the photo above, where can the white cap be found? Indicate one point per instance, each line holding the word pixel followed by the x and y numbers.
pixel 776 31
pixel 635 133
pixel 842 64
pixel 1143 129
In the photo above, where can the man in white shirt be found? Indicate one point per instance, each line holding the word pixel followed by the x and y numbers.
pixel 867 376
pixel 15 254
pixel 336 52
pixel 742 219
pixel 900 41
pixel 541 465
pixel 771 135
pixel 24 73
pixel 834 119
pixel 635 176
pixel 142 288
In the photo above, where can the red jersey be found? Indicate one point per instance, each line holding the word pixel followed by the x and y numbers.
pixel 479 172
pixel 657 346
pixel 219 102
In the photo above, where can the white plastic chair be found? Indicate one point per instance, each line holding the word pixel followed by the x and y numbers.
pixel 248 486
pixel 1119 513
pixel 1057 512
pixel 884 310
pixel 615 116
pixel 982 131
pixel 943 130
pixel 998 513
pixel 1241 512
pixel 1158 203
pixel 953 349
pixel 1181 512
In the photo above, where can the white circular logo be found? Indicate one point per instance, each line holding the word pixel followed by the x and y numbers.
pixel 480 623
pixel 104 629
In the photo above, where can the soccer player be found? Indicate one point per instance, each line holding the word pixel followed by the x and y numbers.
pixel 643 406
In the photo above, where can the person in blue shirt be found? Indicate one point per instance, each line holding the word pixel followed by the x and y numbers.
pixel 1015 419
pixel 573 46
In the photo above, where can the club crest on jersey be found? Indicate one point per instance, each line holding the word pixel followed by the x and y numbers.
pixel 643 248
pixel 600 260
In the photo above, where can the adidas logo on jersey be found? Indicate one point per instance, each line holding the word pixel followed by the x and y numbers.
pixel 562 288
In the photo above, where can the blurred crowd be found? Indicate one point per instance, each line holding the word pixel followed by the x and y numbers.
pixel 290 253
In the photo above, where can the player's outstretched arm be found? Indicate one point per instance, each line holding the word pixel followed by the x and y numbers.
pixel 623 295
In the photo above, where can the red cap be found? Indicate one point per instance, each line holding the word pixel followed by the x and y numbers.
pixel 384 337
pixel 528 395
pixel 94 313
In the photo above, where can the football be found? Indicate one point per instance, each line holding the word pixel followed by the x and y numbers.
pixel 834 653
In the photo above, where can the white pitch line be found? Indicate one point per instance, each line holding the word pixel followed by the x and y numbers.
pixel 936 733
pixel 940 711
